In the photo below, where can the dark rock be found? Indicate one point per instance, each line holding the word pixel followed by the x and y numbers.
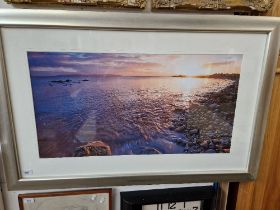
pixel 191 144
pixel 174 120
pixel 226 150
pixel 230 115
pixel 194 150
pixel 171 127
pixel 180 129
pixel 216 141
pixel 179 110
pixel 181 142
pixel 94 148
pixel 204 144
pixel 194 131
pixel 211 146
pixel 229 97
pixel 219 147
pixel 182 119
pixel 210 151
pixel 225 142
pixel 186 148
pixel 214 106
pixel 61 81
pixel 195 140
pixel 178 124
pixel 211 134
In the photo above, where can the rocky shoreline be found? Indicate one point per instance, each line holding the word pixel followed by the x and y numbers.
pixel 208 122
pixel 205 124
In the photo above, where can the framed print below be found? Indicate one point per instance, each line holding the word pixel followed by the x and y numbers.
pixel 100 99
pixel 71 200
pixel 189 198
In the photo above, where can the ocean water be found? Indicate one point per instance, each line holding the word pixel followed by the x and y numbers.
pixel 132 115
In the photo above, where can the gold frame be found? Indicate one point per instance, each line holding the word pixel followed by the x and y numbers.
pixel 238 5
pixel 95 3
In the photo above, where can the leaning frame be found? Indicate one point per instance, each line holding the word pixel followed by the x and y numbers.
pixel 133 22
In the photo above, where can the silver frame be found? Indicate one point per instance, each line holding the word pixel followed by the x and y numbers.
pixel 135 22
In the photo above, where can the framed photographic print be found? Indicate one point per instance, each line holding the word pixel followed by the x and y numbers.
pixel 70 200
pixel 188 198
pixel 103 99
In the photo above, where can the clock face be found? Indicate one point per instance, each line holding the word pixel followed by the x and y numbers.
pixel 188 205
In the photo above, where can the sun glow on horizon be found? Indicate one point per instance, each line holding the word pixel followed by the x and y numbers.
pixel 124 64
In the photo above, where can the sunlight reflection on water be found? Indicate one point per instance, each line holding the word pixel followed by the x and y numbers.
pixel 131 114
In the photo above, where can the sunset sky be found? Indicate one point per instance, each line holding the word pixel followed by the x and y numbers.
pixel 63 63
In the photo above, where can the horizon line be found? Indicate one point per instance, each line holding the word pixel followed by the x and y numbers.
pixel 116 75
